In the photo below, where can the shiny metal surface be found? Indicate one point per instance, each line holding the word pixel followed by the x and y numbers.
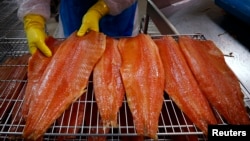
pixel 204 17
pixel 162 23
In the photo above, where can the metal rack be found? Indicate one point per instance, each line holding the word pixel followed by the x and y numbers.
pixel 172 121
pixel 10 25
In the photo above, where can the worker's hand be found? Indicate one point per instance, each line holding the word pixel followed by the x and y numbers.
pixel 35 33
pixel 90 20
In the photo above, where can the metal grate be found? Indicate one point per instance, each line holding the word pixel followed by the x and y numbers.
pixel 10 25
pixel 12 47
pixel 172 121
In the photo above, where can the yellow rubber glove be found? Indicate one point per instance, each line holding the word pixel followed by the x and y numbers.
pixel 34 26
pixel 90 20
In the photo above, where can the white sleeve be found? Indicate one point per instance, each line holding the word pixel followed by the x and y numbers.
pixel 41 7
pixel 117 6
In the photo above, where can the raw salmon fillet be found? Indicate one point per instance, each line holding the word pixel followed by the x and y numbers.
pixel 143 78
pixel 215 78
pixel 36 65
pixel 181 85
pixel 63 81
pixel 108 86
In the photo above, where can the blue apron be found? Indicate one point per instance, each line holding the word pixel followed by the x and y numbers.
pixel 72 11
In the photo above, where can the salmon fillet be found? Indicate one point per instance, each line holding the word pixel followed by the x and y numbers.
pixel 64 80
pixel 36 65
pixel 181 85
pixel 215 78
pixel 143 78
pixel 108 86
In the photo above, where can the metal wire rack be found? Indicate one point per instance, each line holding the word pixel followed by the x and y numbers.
pixel 13 81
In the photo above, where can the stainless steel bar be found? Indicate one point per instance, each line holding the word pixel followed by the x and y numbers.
pixel 162 23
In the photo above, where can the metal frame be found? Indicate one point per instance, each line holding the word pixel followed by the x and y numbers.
pixel 162 23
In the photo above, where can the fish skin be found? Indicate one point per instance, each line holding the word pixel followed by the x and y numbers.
pixel 181 85
pixel 217 81
pixel 143 77
pixel 63 81
pixel 108 86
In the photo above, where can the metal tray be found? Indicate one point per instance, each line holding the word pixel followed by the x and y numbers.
pixel 172 121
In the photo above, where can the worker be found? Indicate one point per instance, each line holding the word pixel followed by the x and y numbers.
pixel 114 18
